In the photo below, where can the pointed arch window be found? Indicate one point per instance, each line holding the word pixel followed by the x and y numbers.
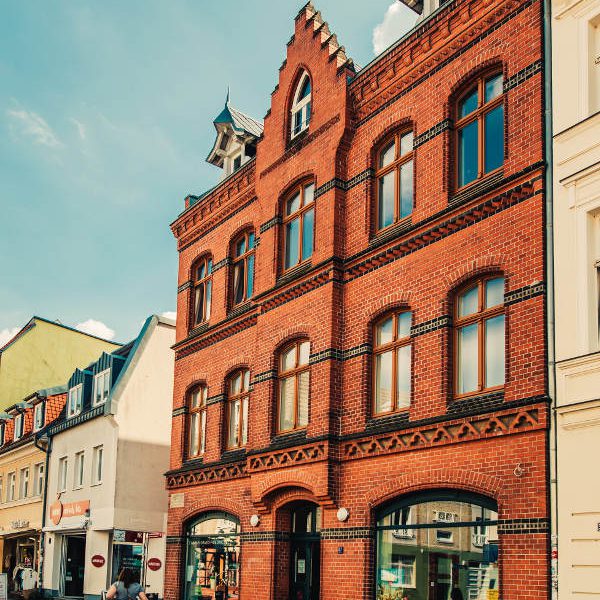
pixel 301 105
pixel 242 284
pixel 197 421
pixel 202 282
pixel 294 386
pixel 237 409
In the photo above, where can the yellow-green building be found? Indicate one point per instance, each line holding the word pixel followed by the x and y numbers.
pixel 42 355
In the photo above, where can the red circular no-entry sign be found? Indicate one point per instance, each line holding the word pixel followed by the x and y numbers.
pixel 154 564
pixel 98 560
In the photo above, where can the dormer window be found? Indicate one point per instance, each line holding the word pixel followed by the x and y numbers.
pixel 2 433
pixel 75 402
pixel 39 416
pixel 300 113
pixel 18 433
pixel 101 387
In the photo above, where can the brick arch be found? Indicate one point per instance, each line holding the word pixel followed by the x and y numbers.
pixel 376 142
pixel 375 307
pixel 286 335
pixel 204 505
pixel 238 228
pixel 277 481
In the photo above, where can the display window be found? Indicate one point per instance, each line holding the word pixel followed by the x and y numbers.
pixel 438 546
pixel 212 567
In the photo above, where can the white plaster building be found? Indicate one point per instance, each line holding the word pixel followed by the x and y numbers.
pixel 106 500
pixel 576 125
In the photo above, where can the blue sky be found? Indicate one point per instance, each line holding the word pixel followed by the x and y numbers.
pixel 106 112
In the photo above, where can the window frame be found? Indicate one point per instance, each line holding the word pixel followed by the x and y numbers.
pixel 97 464
pixel 300 105
pixel 106 391
pixel 247 235
pixel 39 475
pixel 480 317
pixel 206 283
pixel 295 372
pixel 393 346
pixel 24 483
pixel 478 115
pixel 40 407
pixel 63 471
pixel 79 402
pixel 11 486
pixel 79 471
pixel 395 165
pixel 202 390
pixel 19 425
pixel 299 214
pixel 232 398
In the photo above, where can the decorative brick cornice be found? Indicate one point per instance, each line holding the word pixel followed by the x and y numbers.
pixel 208 474
pixel 432 325
pixel 288 457
pixel 524 293
pixel 308 285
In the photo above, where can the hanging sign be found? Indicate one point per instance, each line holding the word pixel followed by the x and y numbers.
pixel 154 564
pixel 98 560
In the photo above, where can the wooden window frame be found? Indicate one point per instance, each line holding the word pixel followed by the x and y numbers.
pixel 299 214
pixel 395 165
pixel 483 108
pixel 282 376
pixel 232 398
pixel 244 257
pixel 202 390
pixel 480 317
pixel 197 283
pixel 396 343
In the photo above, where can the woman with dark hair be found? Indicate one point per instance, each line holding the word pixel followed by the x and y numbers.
pixel 126 587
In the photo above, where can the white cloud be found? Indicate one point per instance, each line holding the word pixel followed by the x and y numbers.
pixel 26 123
pixel 7 334
pixel 169 314
pixel 80 127
pixel 398 20
pixel 97 328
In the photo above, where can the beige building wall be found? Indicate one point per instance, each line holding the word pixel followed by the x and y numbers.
pixel 576 123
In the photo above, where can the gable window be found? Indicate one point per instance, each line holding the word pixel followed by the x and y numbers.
pixel 75 401
pixel 294 386
pixel 97 465
pixel 479 337
pixel 202 281
pixel 79 470
pixel 394 175
pixel 237 409
pixel 101 387
pixel 11 487
pixel 39 479
pixel 63 467
pixel 2 433
pixel 301 103
pixel 39 416
pixel 24 483
pixel 298 223
pixel 197 421
pixel 243 267
pixel 18 432
pixel 480 129
pixel 392 351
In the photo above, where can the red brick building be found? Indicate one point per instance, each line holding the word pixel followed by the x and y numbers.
pixel 360 405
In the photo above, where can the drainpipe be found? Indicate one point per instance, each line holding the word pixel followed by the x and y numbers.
pixel 47 449
pixel 550 305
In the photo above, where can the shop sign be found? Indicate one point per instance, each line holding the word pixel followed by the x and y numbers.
pixel 58 510
pixel 154 564
pixel 155 534
pixel 133 537
pixel 19 524
pixel 98 560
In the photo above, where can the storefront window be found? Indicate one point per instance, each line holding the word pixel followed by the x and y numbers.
pixel 127 556
pixel 441 546
pixel 213 558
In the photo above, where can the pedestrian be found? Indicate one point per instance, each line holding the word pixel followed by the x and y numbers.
pixel 126 587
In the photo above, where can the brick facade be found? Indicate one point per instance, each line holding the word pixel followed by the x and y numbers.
pixel 494 444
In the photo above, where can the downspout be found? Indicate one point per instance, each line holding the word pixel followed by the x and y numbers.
pixel 550 304
pixel 47 450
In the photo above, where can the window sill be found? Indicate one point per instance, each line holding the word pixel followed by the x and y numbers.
pixel 95 484
pixel 240 309
pixel 285 439
pixel 233 454
pixel 294 272
pixel 477 188
pixel 194 331
pixel 298 137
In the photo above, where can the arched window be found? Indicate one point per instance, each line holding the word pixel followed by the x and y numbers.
pixel 479 336
pixel 212 556
pixel 197 421
pixel 237 409
pixel 392 372
pixel 441 541
pixel 294 386
pixel 202 284
pixel 298 224
pixel 480 129
pixel 395 183
pixel 300 112
pixel 243 268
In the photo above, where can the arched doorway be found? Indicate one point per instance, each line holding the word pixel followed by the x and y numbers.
pixel 438 545
pixel 212 565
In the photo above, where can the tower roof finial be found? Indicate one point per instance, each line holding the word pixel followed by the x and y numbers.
pixel 227 98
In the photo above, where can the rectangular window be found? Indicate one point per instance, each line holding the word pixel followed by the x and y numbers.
pixel 39 479
pixel 63 467
pixel 101 387
pixel 18 432
pixel 1 489
pixel 443 536
pixel 75 401
pixel 2 432
pixel 39 416
pixel 24 483
pixel 11 487
pixel 97 465
pixel 79 469
pixel 594 64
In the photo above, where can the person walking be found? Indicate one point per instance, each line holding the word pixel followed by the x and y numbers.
pixel 126 587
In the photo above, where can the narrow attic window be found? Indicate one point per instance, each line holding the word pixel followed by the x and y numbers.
pixel 224 142
pixel 301 106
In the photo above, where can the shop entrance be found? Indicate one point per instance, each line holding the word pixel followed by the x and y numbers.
pixel 73 565
pixel 305 555
pixel 443 575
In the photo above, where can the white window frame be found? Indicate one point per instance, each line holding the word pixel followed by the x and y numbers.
pixel 103 376
pixel 79 471
pixel 63 470
pixel 74 410
pixel 302 106
pixel 39 409
pixel 39 476
pixel 18 432
pixel 441 540
pixel 97 465
pixel 24 483
pixel 11 486
pixel 1 489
